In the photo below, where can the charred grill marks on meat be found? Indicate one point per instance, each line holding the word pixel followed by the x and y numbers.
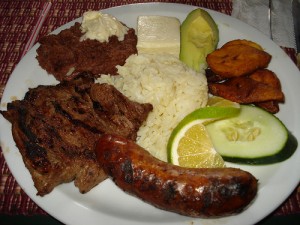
pixel 56 128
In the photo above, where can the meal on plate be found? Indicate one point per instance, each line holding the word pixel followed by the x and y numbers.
pixel 137 109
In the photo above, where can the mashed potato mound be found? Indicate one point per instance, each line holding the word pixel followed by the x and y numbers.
pixel 169 85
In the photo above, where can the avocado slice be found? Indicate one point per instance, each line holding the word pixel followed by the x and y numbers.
pixel 199 36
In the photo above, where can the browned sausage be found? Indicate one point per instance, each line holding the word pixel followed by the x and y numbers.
pixel 191 192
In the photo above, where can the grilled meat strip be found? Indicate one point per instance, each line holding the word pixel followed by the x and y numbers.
pixel 56 128
pixel 192 192
pixel 64 55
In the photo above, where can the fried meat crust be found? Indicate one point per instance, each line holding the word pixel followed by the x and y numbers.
pixel 65 56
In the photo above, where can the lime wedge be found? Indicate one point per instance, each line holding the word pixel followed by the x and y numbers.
pixel 189 144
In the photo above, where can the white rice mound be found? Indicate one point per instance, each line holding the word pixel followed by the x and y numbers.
pixel 169 85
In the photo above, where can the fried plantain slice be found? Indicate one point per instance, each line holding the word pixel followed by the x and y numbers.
pixel 212 77
pixel 243 42
pixel 245 90
pixel 267 77
pixel 270 106
pixel 237 60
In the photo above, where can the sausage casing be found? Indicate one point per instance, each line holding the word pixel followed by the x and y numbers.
pixel 188 191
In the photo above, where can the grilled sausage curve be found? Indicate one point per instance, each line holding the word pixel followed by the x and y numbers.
pixel 187 191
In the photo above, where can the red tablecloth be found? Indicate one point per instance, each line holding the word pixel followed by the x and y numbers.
pixel 21 24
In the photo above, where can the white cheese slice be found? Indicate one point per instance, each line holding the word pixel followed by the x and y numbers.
pixel 158 34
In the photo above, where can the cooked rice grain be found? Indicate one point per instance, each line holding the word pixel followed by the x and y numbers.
pixel 169 85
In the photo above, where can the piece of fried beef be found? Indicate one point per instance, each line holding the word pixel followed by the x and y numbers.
pixel 64 55
pixel 56 128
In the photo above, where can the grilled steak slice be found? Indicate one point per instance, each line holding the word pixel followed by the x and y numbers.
pixel 56 128
pixel 64 55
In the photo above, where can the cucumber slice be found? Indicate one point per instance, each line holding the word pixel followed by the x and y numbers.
pixel 253 137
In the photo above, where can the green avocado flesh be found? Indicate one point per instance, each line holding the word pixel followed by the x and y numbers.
pixel 199 36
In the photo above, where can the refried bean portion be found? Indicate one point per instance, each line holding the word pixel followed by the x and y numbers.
pixel 64 55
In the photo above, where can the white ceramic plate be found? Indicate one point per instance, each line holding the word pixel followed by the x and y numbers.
pixel 106 203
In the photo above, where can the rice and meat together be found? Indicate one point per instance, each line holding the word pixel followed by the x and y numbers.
pixel 169 85
pixel 159 82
